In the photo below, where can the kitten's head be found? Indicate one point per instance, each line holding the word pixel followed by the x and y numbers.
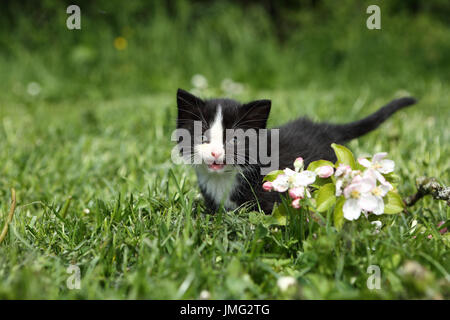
pixel 219 130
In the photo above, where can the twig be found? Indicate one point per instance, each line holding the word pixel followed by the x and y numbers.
pixel 10 215
pixel 429 186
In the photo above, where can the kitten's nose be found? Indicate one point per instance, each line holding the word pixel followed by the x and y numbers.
pixel 216 154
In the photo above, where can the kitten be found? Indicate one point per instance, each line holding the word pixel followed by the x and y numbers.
pixel 223 140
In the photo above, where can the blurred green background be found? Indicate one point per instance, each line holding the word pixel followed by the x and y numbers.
pixel 86 118
pixel 267 44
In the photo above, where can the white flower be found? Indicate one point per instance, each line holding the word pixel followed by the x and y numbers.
pixel 378 192
pixel 342 169
pixel 296 193
pixel 291 179
pixel 344 176
pixel 383 166
pixel 281 183
pixel 296 203
pixel 285 282
pixel 374 174
pixel 303 178
pixel 358 198
pixel 364 194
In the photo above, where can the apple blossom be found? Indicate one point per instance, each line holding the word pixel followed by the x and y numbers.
pixel 267 186
pixel 298 192
pixel 298 163
pixel 296 203
pixel 342 169
pixel 324 171
pixel 281 183
pixel 358 198
pixel 383 166
pixel 303 178
pixel 378 193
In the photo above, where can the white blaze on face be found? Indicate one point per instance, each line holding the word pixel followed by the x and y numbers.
pixel 213 151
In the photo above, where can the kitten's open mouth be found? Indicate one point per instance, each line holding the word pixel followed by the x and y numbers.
pixel 216 166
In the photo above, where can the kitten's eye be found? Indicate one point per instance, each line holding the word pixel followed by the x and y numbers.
pixel 205 139
pixel 234 140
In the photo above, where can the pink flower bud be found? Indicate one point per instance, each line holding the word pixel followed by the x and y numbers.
pixel 298 163
pixel 267 186
pixel 324 171
pixel 296 203
pixel 296 193
pixel 443 230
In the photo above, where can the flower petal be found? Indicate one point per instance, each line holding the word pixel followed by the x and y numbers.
pixel 351 209
pixel 379 208
pixel 304 178
pixel 366 184
pixel 267 186
pixel 298 163
pixel 348 190
pixel 280 184
pixel 342 169
pixel 324 171
pixel 385 188
pixel 368 201
pixel 379 156
pixel 364 162
pixel 289 172
pixel 296 193
pixel 296 203
pixel 339 183
pixel 387 166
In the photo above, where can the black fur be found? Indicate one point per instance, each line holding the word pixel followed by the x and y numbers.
pixel 300 137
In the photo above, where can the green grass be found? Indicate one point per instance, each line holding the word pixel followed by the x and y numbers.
pixel 145 235
pixel 89 155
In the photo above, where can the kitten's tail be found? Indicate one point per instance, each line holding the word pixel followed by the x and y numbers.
pixel 346 132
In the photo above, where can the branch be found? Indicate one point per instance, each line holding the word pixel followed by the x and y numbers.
pixel 10 215
pixel 429 186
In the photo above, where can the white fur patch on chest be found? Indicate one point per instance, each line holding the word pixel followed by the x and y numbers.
pixel 218 186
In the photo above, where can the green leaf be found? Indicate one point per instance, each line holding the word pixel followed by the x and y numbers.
pixel 278 216
pixel 261 231
pixel 321 182
pixel 325 197
pixel 344 156
pixel 393 203
pixel 272 175
pixel 319 163
pixel 339 213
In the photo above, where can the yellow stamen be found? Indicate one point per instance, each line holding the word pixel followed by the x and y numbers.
pixel 376 191
pixel 355 194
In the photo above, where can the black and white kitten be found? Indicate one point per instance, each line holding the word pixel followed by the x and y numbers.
pixel 218 146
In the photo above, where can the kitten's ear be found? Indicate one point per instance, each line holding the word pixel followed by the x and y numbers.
pixel 256 114
pixel 188 100
pixel 189 108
